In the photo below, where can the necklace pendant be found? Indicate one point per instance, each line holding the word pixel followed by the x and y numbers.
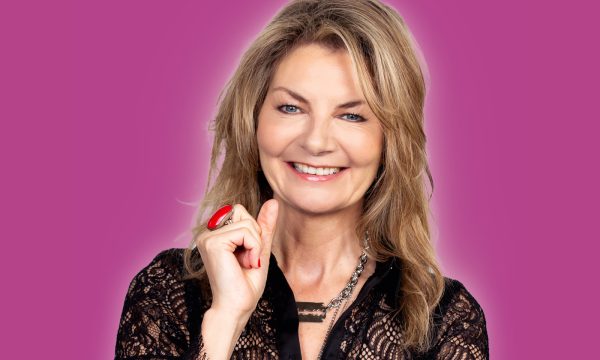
pixel 311 311
pixel 316 312
pixel 314 318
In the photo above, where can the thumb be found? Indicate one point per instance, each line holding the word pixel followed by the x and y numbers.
pixel 267 218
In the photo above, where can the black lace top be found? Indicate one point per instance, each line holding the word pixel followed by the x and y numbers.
pixel 162 316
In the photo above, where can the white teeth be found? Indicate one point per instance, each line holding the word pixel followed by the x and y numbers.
pixel 315 171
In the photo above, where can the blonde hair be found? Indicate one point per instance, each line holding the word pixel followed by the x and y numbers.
pixel 396 206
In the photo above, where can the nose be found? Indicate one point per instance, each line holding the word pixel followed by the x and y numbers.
pixel 317 138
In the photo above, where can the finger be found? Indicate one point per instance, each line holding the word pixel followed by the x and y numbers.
pixel 248 259
pixel 242 257
pixel 242 241
pixel 267 219
pixel 240 213
pixel 246 223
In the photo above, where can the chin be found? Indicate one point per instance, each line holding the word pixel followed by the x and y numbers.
pixel 316 207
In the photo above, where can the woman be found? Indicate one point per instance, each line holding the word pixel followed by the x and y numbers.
pixel 326 252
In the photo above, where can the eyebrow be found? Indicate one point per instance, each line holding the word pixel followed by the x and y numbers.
pixel 299 97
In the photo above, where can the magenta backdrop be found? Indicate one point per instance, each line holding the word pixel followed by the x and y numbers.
pixel 112 102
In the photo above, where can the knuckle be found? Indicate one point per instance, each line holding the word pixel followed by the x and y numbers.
pixel 249 234
pixel 249 223
pixel 244 222
pixel 200 240
pixel 247 231
pixel 210 245
pixel 240 208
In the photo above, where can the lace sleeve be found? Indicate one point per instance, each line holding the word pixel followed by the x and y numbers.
pixel 154 320
pixel 462 333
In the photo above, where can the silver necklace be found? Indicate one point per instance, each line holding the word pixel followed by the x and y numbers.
pixel 331 325
pixel 316 312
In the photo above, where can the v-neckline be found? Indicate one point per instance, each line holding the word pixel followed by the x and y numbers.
pixel 286 314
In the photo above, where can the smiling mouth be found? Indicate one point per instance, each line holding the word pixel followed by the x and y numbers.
pixel 313 170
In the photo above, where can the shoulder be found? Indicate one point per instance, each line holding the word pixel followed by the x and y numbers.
pixel 158 315
pixel 163 271
pixel 456 295
pixel 166 263
pixel 460 325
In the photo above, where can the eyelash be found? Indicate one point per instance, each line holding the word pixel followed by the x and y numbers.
pixel 280 108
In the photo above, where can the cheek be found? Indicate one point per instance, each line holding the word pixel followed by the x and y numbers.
pixel 270 137
pixel 364 148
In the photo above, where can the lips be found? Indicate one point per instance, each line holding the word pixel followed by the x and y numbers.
pixel 291 163
pixel 316 170
pixel 312 173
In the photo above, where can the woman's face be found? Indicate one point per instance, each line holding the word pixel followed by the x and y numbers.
pixel 315 119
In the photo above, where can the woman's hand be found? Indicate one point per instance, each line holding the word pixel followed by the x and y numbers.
pixel 236 259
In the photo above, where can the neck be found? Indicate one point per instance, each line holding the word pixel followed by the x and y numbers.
pixel 317 248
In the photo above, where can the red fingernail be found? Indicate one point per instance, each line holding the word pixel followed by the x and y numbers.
pixel 258 262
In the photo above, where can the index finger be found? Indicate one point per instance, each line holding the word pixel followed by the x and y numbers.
pixel 240 213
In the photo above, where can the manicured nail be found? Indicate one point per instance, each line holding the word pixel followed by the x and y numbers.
pixel 258 262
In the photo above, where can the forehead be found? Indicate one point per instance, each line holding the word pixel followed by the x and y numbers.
pixel 315 69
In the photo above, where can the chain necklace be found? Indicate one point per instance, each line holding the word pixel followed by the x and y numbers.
pixel 316 312
pixel 331 325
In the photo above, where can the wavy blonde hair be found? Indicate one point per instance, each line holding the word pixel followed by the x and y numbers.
pixel 396 206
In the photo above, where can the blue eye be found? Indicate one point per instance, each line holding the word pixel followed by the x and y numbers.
pixel 293 109
pixel 354 117
pixel 289 109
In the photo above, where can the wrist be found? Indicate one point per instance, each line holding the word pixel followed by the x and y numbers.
pixel 220 332
pixel 235 322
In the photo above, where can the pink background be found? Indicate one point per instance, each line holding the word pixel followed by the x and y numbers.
pixel 104 154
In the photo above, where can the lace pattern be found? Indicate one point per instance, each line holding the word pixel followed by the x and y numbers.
pixel 162 317
pixel 381 339
pixel 257 341
pixel 462 330
pixel 155 318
